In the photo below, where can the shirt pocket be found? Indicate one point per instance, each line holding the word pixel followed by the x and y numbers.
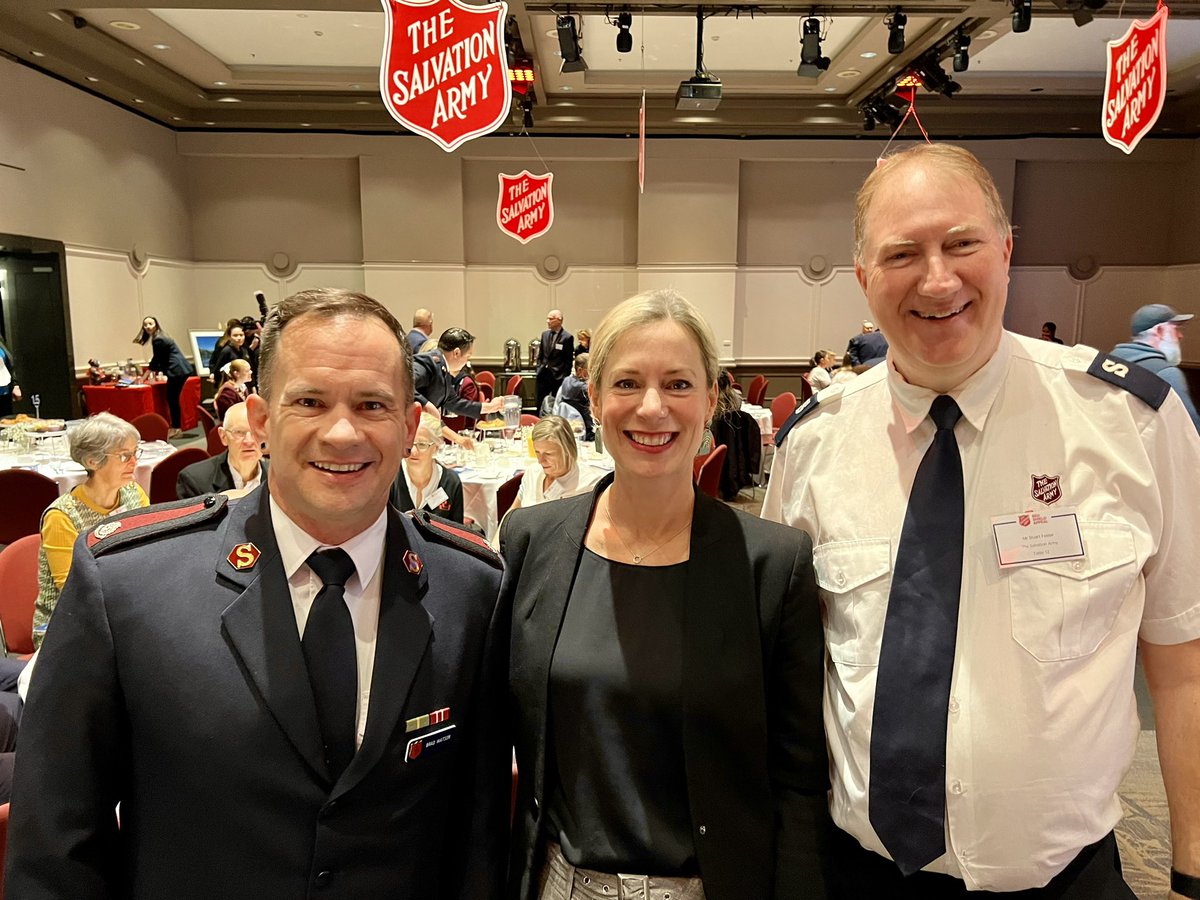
pixel 1064 610
pixel 854 577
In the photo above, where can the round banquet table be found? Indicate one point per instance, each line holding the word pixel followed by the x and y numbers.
pixel 50 459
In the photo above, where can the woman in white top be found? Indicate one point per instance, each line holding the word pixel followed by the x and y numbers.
pixel 424 484
pixel 818 375
pixel 561 474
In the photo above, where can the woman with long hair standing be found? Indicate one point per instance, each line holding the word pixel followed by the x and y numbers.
pixel 167 359
pixel 667 658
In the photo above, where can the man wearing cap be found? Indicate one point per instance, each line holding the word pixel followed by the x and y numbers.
pixel 1155 346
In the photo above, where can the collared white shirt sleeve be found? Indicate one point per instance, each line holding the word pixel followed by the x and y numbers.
pixel 363 590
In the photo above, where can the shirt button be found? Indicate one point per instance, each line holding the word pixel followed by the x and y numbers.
pixel 1077 566
pixel 840 578
pixel 329 808
pixel 956 787
pixel 704 829
pixel 323 878
pixel 953 704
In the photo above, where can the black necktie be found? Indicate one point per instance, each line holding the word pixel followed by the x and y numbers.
pixel 916 659
pixel 332 661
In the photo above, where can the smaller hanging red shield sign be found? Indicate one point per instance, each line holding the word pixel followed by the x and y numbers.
pixel 525 208
pixel 1135 84
pixel 444 73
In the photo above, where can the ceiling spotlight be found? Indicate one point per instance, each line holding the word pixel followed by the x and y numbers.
pixel 895 23
pixel 868 122
pixel 1082 10
pixel 962 53
pixel 1022 15
pixel 624 38
pixel 568 45
pixel 934 77
pixel 812 63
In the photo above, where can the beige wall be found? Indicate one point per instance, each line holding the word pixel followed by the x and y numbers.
pixel 757 233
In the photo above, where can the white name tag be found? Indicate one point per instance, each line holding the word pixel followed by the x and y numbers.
pixel 1032 537
pixel 558 346
pixel 436 499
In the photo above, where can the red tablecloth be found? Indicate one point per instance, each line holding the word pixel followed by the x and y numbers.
pixel 128 402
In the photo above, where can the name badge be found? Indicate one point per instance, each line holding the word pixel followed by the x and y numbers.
pixel 558 346
pixel 1033 537
pixel 434 500
pixel 429 743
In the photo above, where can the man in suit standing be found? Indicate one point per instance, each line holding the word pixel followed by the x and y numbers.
pixel 422 329
pixel 558 351
pixel 868 348
pixel 239 468
pixel 297 694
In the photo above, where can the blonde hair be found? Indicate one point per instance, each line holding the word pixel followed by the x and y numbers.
pixel 432 423
pixel 646 309
pixel 557 431
pixel 941 159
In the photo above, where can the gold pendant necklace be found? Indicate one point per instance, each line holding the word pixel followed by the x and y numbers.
pixel 638 557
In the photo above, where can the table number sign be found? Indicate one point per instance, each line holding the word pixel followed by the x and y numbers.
pixel 525 207
pixel 1135 83
pixel 444 72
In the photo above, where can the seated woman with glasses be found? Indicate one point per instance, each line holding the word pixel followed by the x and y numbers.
pixel 107 448
pixel 422 483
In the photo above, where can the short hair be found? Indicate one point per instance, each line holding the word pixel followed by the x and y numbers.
pixel 230 409
pixel 648 308
pixel 945 158
pixel 454 339
pixel 422 317
pixel 583 333
pixel 93 439
pixel 582 361
pixel 326 303
pixel 1051 327
pixel 557 430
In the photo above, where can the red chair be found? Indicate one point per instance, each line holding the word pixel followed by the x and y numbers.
pixel 164 475
pixel 189 400
pixel 782 407
pixel 709 477
pixel 19 577
pixel 214 446
pixel 151 426
pixel 486 391
pixel 758 390
pixel 488 378
pixel 806 388
pixel 506 495
pixel 26 495
pixel 206 420
pixel 529 419
pixel 514 385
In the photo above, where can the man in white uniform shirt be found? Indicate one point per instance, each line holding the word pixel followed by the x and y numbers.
pixel 1037 722
pixel 299 693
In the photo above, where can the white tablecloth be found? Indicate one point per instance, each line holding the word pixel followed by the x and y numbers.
pixel 761 415
pixel 67 473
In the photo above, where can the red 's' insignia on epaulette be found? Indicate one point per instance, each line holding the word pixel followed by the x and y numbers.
pixel 244 556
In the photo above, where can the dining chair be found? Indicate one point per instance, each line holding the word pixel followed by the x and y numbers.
pixel 506 495
pixel 486 377
pixel 207 422
pixel 26 495
pixel 806 388
pixel 189 401
pixel 758 390
pixel 781 407
pixel 514 385
pixel 486 391
pixel 529 419
pixel 18 593
pixel 166 472
pixel 151 426
pixel 213 443
pixel 709 479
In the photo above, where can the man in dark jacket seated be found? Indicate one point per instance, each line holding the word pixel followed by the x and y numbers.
pixel 240 466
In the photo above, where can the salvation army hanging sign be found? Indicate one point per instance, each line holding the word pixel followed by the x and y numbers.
pixel 444 72
pixel 525 208
pixel 1135 85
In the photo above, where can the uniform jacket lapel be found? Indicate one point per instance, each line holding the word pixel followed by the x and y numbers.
pixel 405 627
pixel 261 627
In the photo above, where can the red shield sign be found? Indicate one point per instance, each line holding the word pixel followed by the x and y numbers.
pixel 525 208
pixel 1135 84
pixel 445 70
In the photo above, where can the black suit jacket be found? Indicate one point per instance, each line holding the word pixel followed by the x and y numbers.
pixel 174 684
pixel 433 383
pixel 209 476
pixel 866 348
pixel 753 736
pixel 451 509
pixel 557 362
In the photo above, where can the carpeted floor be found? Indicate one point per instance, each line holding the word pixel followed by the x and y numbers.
pixel 1144 833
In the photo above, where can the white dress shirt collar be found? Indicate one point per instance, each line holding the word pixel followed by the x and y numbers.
pixel 418 496
pixel 296 545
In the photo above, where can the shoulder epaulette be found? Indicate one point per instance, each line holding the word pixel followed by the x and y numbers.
pixel 808 407
pixel 140 524
pixel 444 531
pixel 1142 383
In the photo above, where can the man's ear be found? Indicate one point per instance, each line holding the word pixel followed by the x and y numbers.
pixel 410 435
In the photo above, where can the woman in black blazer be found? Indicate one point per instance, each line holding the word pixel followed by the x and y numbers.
pixel 167 359
pixel 667 659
